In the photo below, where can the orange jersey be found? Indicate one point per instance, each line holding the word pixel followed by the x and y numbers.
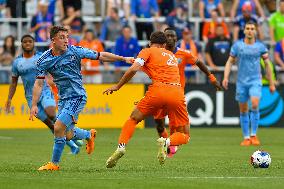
pixel 95 45
pixel 159 64
pixel 184 57
pixel 210 27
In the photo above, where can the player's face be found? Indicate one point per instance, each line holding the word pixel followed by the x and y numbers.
pixel 171 38
pixel 60 41
pixel 250 31
pixel 28 44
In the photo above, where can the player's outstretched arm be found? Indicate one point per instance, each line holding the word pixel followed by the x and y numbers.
pixel 227 71
pixel 269 75
pixel 125 78
pixel 211 76
pixel 12 90
pixel 109 57
pixel 36 95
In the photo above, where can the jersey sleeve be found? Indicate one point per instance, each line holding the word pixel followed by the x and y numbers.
pixel 190 58
pixel 86 53
pixel 41 68
pixel 143 56
pixel 15 72
pixel 234 50
pixel 263 51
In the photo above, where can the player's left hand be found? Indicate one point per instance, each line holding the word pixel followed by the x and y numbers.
pixel 129 60
pixel 272 88
pixel 111 90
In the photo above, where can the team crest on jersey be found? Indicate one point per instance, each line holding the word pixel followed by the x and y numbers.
pixel 179 60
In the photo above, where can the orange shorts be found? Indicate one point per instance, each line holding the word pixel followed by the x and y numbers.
pixel 167 99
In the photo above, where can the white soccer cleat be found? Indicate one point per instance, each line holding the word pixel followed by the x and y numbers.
pixel 162 152
pixel 113 159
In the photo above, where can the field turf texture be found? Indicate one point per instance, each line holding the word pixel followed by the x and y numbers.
pixel 212 159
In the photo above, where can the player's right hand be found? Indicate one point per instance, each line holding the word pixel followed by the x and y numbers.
pixel 33 113
pixel 8 106
pixel 225 83
pixel 111 90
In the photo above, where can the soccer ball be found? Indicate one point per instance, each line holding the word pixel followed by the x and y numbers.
pixel 260 159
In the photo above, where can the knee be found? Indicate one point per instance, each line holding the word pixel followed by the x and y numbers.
pixel 254 106
pixel 137 116
pixel 243 109
pixel 59 131
pixel 160 125
pixel 187 138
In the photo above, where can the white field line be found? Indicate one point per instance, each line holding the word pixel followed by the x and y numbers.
pixel 5 138
pixel 276 177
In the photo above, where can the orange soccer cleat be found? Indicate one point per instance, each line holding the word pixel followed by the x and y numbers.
pixel 246 142
pixel 90 145
pixel 49 167
pixel 254 140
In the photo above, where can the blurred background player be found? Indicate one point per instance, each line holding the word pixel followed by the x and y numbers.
pixel 162 67
pixel 25 67
pixel 63 62
pixel 248 87
pixel 184 57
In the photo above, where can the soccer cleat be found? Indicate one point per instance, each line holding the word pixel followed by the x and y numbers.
pixel 49 167
pixel 162 152
pixel 79 142
pixel 254 140
pixel 246 142
pixel 90 145
pixel 113 159
pixel 171 151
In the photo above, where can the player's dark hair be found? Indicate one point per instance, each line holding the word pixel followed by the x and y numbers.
pixel 169 29
pixel 27 36
pixel 115 10
pixel 126 26
pixel 158 37
pixel 250 23
pixel 55 29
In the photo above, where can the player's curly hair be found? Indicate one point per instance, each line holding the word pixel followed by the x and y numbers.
pixel 55 29
pixel 158 37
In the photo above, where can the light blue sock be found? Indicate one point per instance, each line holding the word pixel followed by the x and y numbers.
pixel 71 144
pixel 58 148
pixel 254 120
pixel 80 134
pixel 244 119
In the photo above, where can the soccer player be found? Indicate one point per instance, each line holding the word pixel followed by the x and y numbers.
pixel 165 93
pixel 63 62
pixel 184 57
pixel 247 53
pixel 25 67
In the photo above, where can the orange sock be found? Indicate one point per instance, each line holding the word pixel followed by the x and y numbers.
pixel 178 138
pixel 127 131
pixel 164 134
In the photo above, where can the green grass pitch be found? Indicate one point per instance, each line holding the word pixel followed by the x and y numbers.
pixel 212 159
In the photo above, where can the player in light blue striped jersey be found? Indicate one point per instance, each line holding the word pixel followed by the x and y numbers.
pixel 63 62
pixel 247 53
pixel 24 66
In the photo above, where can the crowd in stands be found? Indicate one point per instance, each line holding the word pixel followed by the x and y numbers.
pixel 221 23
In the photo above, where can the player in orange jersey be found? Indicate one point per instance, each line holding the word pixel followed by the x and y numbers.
pixel 184 57
pixel 162 67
